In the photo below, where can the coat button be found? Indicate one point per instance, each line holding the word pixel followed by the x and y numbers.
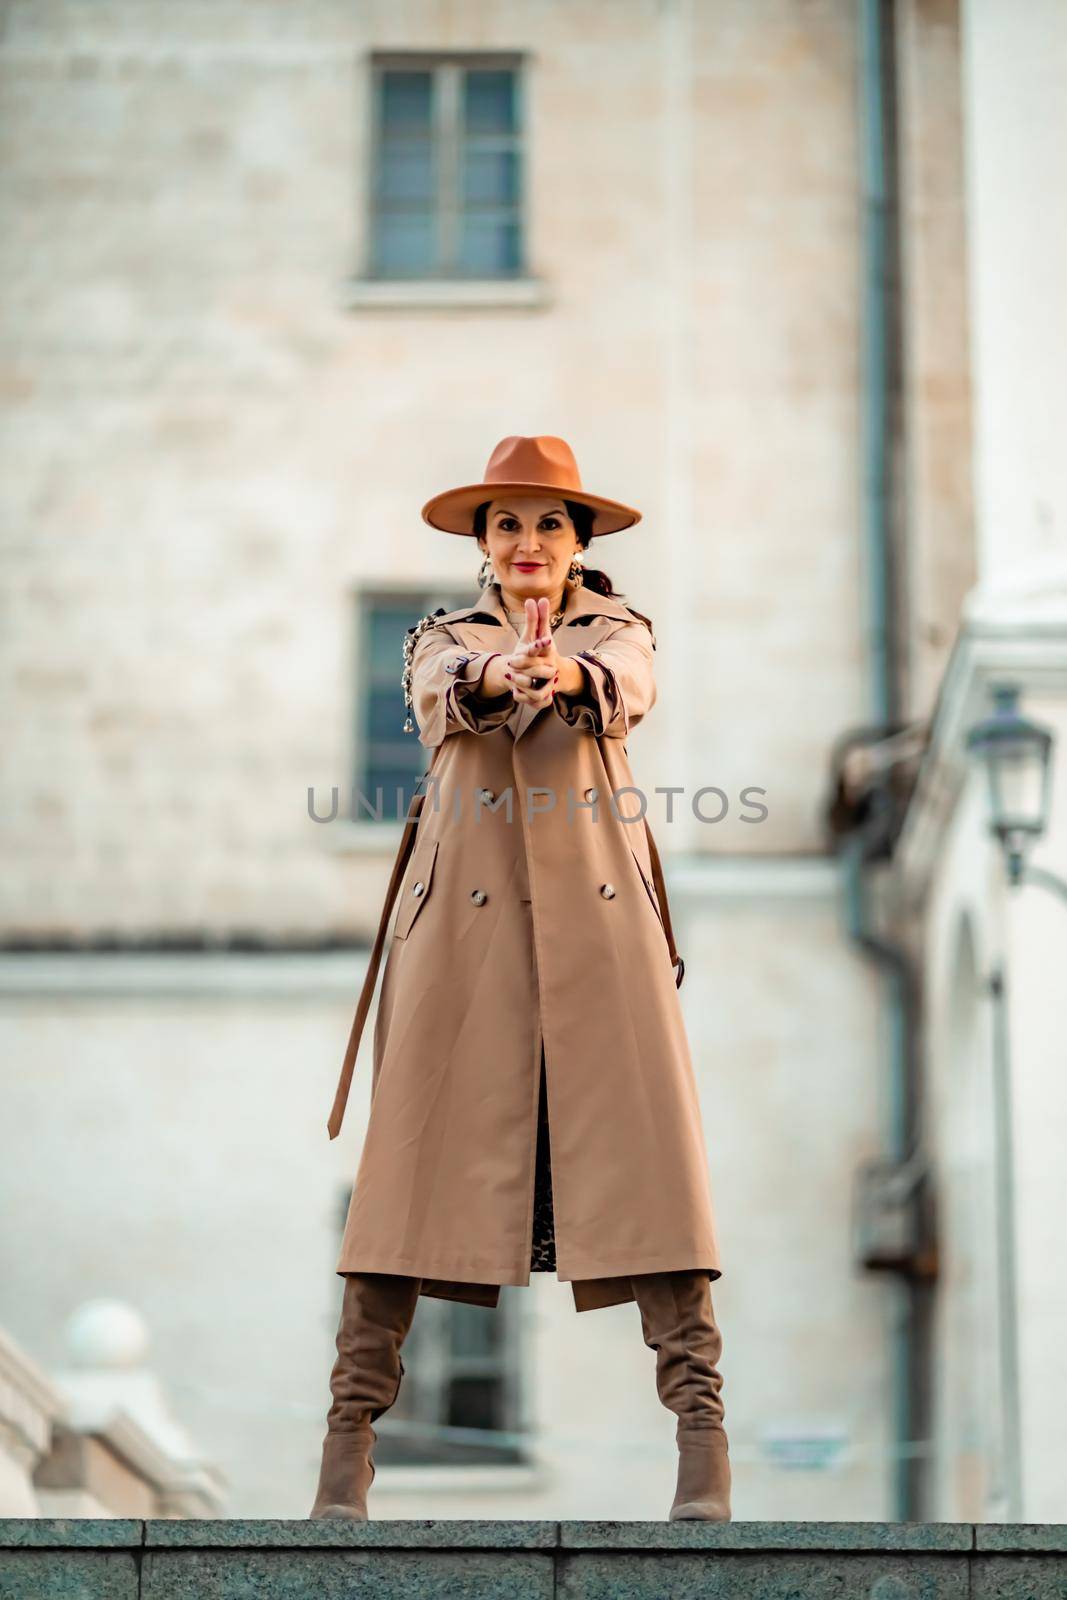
pixel 417 888
pixel 479 896
pixel 607 890
pixel 487 796
pixel 590 794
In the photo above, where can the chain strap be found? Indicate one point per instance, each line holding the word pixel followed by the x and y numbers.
pixel 411 639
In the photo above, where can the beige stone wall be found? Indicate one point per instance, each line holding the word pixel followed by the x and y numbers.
pixel 775 498
pixel 208 452
pixel 939 563
pixel 165 1142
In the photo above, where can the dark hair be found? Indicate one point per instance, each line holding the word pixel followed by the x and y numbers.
pixel 583 517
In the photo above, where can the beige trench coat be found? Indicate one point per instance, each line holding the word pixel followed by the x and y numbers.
pixel 528 910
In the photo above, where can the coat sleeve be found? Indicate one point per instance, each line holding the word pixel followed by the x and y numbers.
pixel 445 680
pixel 618 687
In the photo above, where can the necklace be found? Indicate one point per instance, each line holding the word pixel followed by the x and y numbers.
pixel 518 619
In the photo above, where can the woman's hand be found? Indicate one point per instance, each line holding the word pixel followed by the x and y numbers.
pixel 534 671
pixel 533 666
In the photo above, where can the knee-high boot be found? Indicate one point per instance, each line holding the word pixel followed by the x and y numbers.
pixel 678 1323
pixel 376 1313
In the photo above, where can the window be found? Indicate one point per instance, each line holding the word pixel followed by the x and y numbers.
pixel 446 180
pixel 459 1397
pixel 388 758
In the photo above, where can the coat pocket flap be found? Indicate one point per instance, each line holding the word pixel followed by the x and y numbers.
pixel 417 886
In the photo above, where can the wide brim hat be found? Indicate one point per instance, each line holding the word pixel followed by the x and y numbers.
pixel 542 464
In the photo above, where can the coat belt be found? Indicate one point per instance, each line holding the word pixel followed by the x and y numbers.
pixel 340 1099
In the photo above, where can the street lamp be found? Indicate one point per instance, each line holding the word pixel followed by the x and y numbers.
pixel 1018 761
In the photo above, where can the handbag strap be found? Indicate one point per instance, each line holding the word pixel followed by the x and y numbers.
pixel 348 1066
pixel 661 891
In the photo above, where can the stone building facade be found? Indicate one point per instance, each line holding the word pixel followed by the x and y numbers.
pixel 223 415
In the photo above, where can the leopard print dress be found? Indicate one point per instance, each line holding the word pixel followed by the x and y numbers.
pixel 543 1253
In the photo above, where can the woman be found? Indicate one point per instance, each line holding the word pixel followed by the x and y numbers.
pixel 529 1000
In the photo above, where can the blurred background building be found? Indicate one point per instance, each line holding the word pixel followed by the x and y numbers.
pixel 788 276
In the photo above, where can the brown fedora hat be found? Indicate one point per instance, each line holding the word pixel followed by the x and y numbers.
pixel 538 463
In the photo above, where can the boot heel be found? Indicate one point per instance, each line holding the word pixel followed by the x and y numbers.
pixel 703 1489
pixel 346 1474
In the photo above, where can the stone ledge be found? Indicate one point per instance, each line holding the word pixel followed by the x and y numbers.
pixel 406 294
pixel 432 1559
pixel 77 1533
pixel 1021 1536
pixel 805 1536
pixel 433 1533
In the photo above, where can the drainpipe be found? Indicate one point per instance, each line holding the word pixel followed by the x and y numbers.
pixel 901 1190
pixel 879 343
pixel 872 839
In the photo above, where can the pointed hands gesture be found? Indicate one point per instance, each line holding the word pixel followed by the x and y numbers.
pixel 532 669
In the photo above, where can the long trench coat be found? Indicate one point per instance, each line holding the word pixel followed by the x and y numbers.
pixel 531 914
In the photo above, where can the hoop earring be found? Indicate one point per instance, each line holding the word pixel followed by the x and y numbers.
pixel 575 574
pixel 485 572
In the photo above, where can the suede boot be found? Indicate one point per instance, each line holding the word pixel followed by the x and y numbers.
pixel 678 1323
pixel 376 1313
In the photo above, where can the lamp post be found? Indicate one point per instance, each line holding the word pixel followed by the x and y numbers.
pixel 1018 760
pixel 1017 755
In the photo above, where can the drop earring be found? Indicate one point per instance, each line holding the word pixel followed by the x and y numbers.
pixel 485 572
pixel 575 574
